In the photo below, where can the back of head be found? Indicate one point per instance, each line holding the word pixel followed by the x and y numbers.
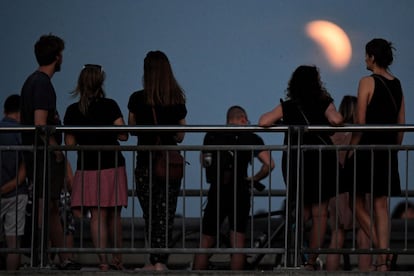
pixel 90 85
pixel 382 50
pixel 234 113
pixel 47 48
pixel 159 82
pixel 347 108
pixel 305 85
pixel 12 104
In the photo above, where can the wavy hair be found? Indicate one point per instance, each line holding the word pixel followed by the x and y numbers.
pixel 89 87
pixel 305 85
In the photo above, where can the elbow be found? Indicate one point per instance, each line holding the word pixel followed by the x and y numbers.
pixel 123 137
pixel 271 166
pixel 337 121
pixel 263 122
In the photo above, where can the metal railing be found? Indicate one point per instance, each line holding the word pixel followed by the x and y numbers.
pixel 192 196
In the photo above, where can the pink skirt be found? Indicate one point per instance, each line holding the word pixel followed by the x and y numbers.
pixel 104 188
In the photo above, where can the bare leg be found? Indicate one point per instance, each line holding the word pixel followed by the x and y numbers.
pixel 237 241
pixel 13 259
pixel 99 231
pixel 337 242
pixel 201 260
pixel 382 227
pixel 318 230
pixel 364 260
pixel 115 233
pixel 364 219
pixel 56 233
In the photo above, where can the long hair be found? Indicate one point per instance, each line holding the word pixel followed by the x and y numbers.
pixel 305 85
pixel 89 86
pixel 160 85
pixel 348 108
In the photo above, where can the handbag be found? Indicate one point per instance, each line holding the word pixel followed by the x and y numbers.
pixel 167 165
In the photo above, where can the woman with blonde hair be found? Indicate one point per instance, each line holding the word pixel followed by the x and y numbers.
pixel 100 182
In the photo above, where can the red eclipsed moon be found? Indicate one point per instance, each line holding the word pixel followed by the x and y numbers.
pixel 333 40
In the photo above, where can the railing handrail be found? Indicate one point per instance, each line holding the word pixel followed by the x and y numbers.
pixel 206 128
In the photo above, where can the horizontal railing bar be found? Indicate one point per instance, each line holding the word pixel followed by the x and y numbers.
pixel 205 128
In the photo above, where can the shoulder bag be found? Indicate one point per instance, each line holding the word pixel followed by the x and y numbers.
pixel 167 165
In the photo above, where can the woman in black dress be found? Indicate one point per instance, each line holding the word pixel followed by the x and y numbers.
pixel 380 102
pixel 309 104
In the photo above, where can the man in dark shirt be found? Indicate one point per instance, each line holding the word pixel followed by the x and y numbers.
pixel 232 183
pixel 38 108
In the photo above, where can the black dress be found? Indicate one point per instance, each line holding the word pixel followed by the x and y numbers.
pixel 380 167
pixel 318 168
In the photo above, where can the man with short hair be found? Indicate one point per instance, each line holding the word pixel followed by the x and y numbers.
pixel 229 193
pixel 38 108
pixel 13 190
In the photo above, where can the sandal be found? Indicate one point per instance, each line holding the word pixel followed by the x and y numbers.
pixel 382 267
pixel 309 266
pixel 116 264
pixel 104 267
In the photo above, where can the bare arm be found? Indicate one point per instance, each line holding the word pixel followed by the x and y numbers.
pixel 179 137
pixel 334 117
pixel 124 135
pixel 70 139
pixel 15 182
pixel 268 165
pixel 365 91
pixel 401 120
pixel 271 117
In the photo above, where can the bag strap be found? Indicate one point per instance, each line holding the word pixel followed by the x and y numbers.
pixel 154 116
pixel 307 122
pixel 389 91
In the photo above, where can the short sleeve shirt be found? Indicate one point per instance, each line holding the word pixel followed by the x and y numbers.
pixel 243 156
pixel 101 112
pixel 166 115
pixel 37 94
pixel 10 158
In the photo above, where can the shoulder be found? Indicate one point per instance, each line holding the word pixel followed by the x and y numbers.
pixel 136 95
pixel 72 107
pixel 9 122
pixel 135 99
pixel 249 138
pixel 368 80
pixel 109 101
pixel 256 139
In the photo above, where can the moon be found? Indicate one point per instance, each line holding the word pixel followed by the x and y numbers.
pixel 333 40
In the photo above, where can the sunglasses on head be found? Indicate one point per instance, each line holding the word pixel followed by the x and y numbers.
pixel 93 66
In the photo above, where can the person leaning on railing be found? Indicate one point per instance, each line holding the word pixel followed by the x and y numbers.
pixel 309 103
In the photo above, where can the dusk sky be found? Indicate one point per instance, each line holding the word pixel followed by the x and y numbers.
pixel 223 52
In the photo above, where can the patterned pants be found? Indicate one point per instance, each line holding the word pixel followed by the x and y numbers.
pixel 159 212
